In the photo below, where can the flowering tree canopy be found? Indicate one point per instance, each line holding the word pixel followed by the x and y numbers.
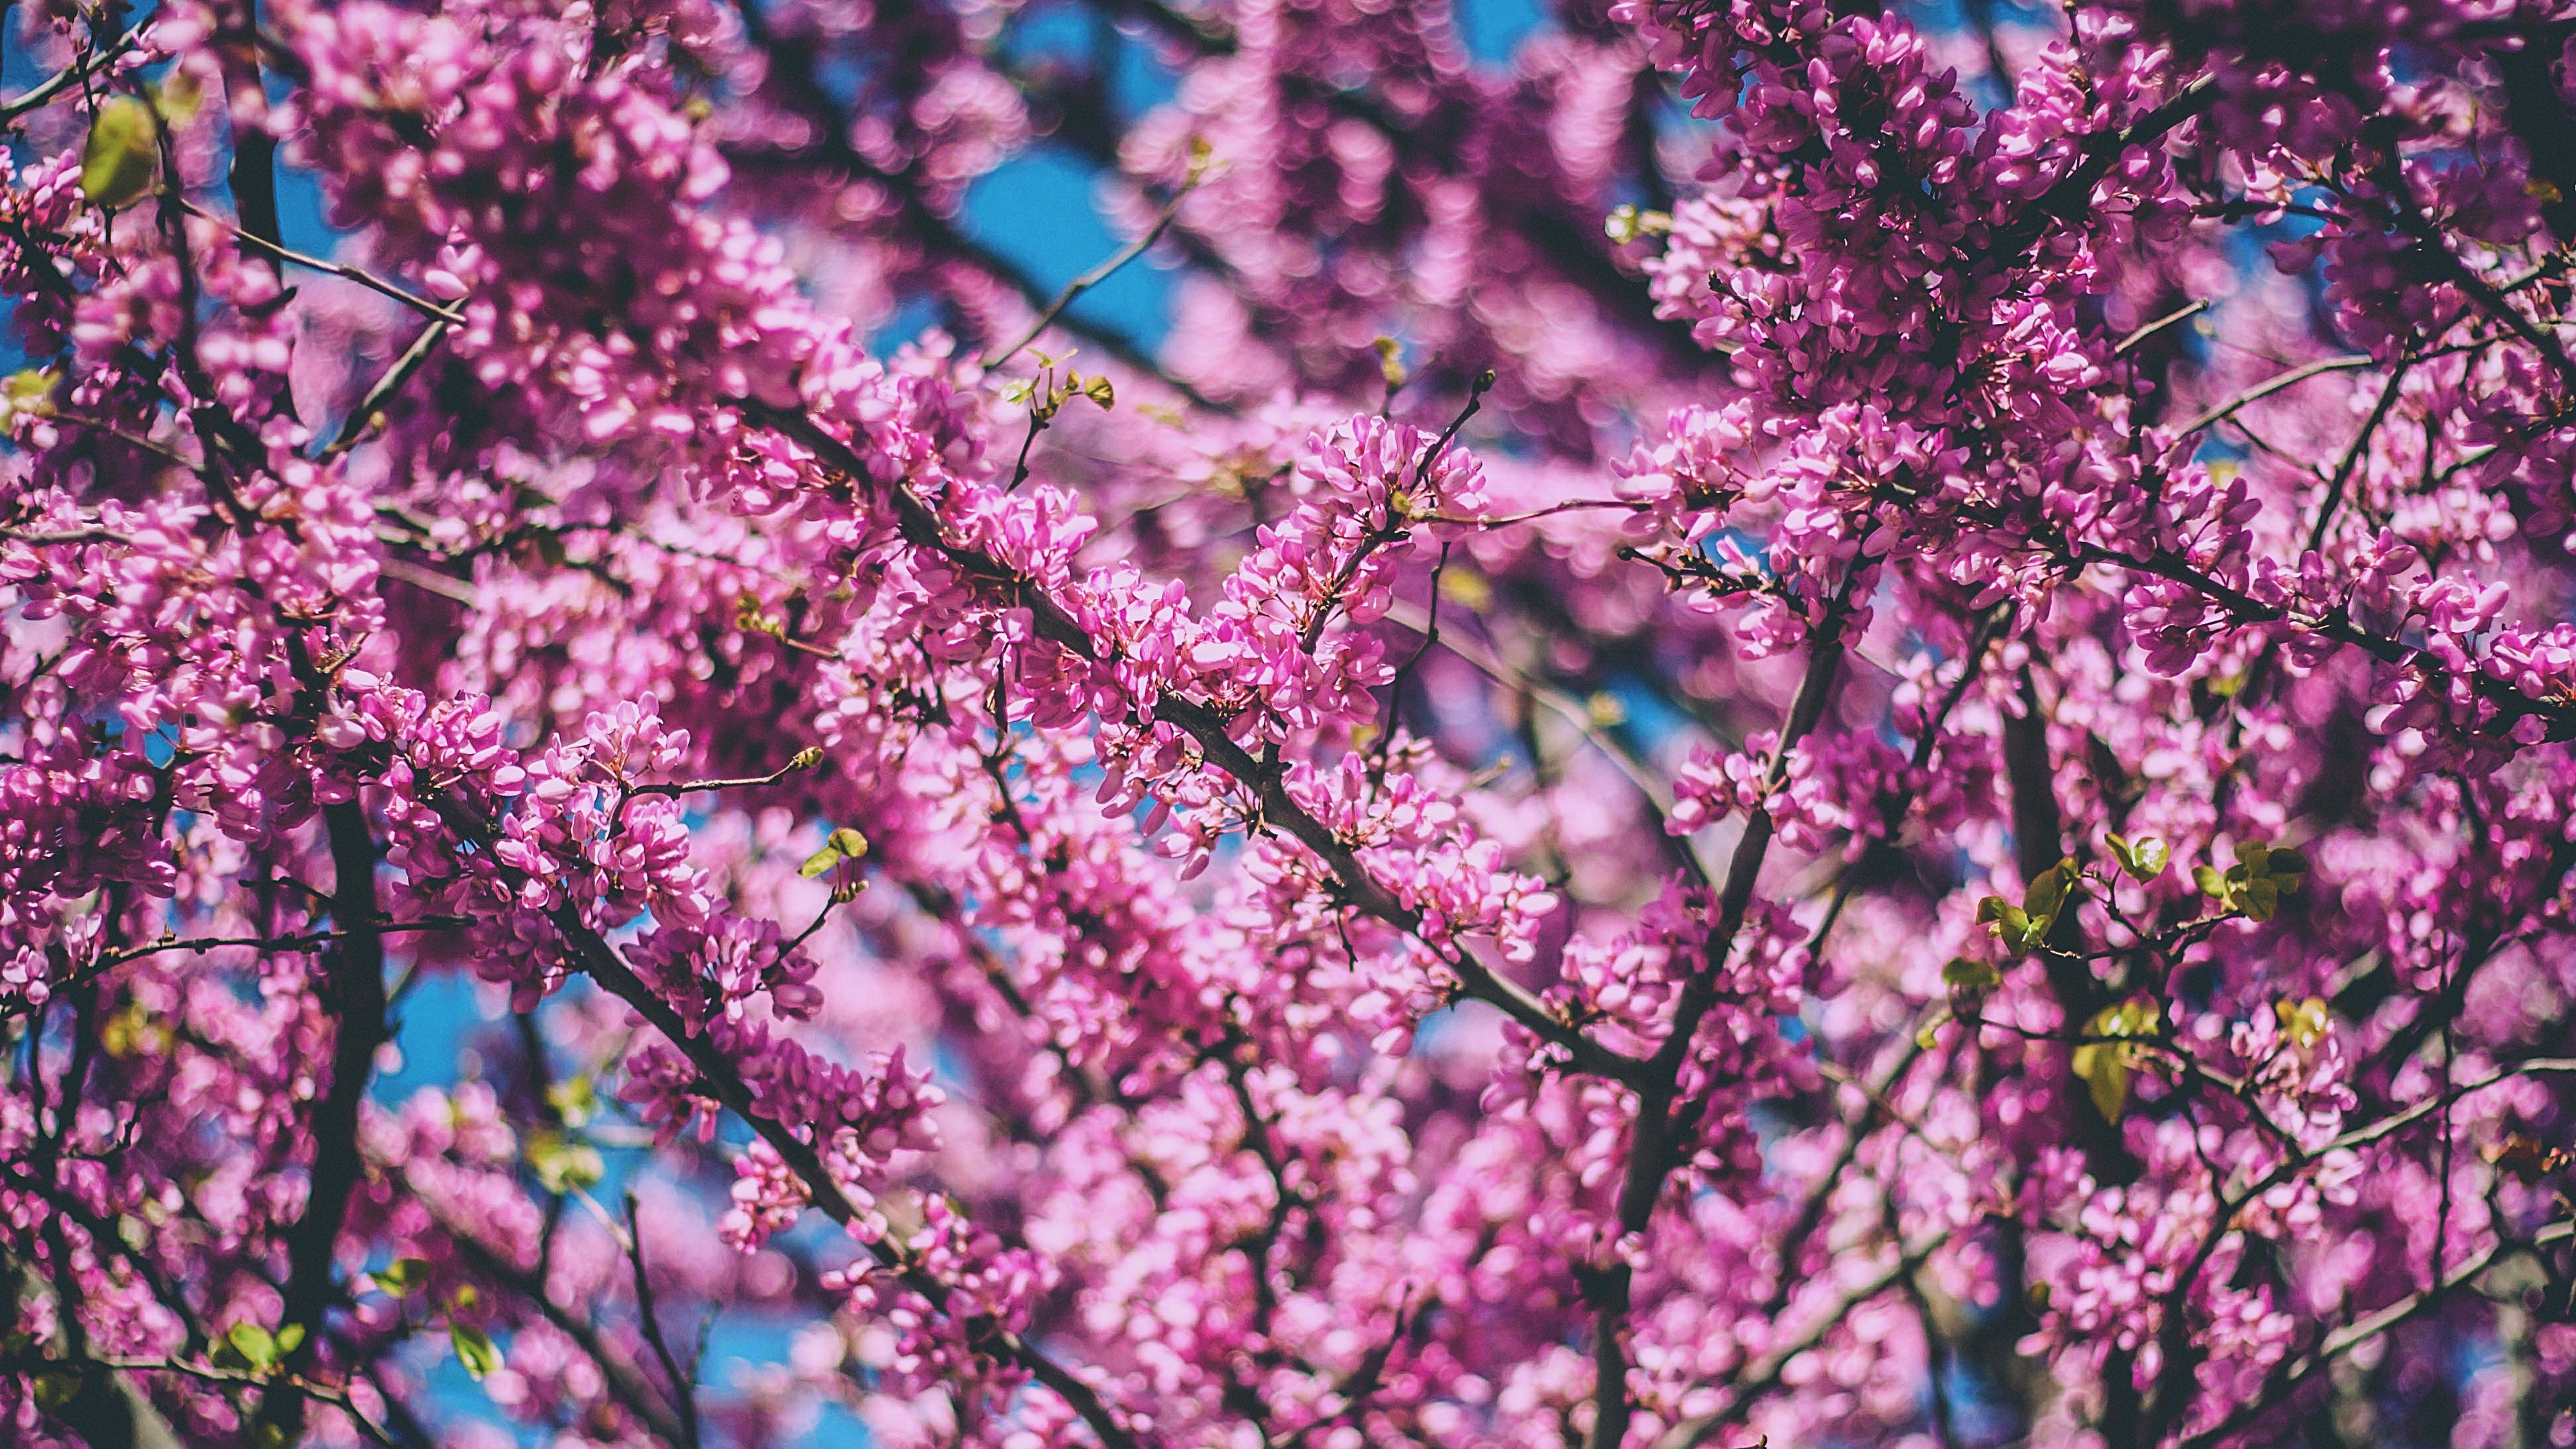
pixel 1775 721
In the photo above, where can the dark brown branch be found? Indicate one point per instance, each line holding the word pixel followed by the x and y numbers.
pixel 354 980
pixel 1652 1139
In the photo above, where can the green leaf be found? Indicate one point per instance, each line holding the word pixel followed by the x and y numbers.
pixel 576 1099
pixel 474 1349
pixel 402 1277
pixel 1390 361
pixel 123 156
pixel 29 392
pixel 2261 898
pixel 564 1164
pixel 57 1387
pixel 2105 1070
pixel 2211 883
pixel 246 1347
pixel 2106 1066
pixel 2305 1023
pixel 2014 928
pixel 1963 974
pixel 289 1339
pixel 842 844
pixel 2144 859
pixel 2047 893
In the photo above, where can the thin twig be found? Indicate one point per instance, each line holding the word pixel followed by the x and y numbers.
pixel 2273 384
pixel 369 280
pixel 87 64
pixel 2179 314
pixel 1105 270
pixel 683 1386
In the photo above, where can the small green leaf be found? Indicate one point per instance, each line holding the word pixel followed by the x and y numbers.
pixel 57 1387
pixel 27 393
pixel 575 1099
pixel 1390 361
pixel 2211 883
pixel 402 1277
pixel 2144 859
pixel 564 1164
pixel 842 844
pixel 2106 1076
pixel 2014 928
pixel 123 156
pixel 2046 893
pixel 475 1350
pixel 2105 1066
pixel 246 1347
pixel 2305 1023
pixel 1963 974
pixel 2261 898
pixel 1626 223
pixel 289 1339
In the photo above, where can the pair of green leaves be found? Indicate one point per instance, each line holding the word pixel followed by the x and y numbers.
pixel 250 1348
pixel 564 1163
pixel 842 844
pixel 1625 224
pixel 2305 1023
pixel 2256 882
pixel 1048 392
pixel 474 1349
pixel 401 1278
pixel 2144 858
pixel 2106 1065
pixel 2024 927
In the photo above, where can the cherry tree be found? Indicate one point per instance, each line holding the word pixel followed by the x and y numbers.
pixel 1771 722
